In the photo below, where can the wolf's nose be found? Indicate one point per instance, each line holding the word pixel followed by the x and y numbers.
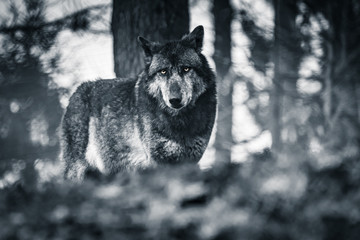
pixel 175 103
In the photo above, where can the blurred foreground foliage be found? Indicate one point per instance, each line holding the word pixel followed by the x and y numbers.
pixel 254 200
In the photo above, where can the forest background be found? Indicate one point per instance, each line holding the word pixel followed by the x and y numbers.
pixel 283 159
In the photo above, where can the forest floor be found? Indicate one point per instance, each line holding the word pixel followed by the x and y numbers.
pixel 255 200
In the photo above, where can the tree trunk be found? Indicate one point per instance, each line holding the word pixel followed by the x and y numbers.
pixel 222 11
pixel 275 96
pixel 157 20
pixel 327 95
pixel 287 57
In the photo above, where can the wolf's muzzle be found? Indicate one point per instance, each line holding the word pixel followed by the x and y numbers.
pixel 175 97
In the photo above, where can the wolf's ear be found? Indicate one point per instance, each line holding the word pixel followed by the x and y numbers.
pixel 146 45
pixel 195 38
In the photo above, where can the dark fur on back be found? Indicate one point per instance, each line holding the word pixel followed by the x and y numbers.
pixel 166 115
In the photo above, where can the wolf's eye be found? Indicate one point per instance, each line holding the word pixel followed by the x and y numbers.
pixel 163 72
pixel 186 69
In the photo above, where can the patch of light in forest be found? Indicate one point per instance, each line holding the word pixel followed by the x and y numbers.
pixel 240 51
pixel 57 9
pixel 85 57
pixel 208 159
pixel 241 152
pixel 245 129
pixel 247 134
pixel 261 11
pixel 64 101
pixel 47 170
pixel 261 142
pixel 14 106
pixel 309 67
pixel 322 158
pixel 308 86
pixel 293 184
pixel 38 130
pixel 60 212
pixel 108 191
pixel 200 15
pixel 8 179
pixel 316 26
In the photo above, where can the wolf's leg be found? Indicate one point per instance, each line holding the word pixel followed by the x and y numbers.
pixel 75 133
pixel 75 171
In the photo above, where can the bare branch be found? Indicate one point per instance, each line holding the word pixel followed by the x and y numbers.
pixel 59 24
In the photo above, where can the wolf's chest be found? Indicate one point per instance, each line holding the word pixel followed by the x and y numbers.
pixel 113 145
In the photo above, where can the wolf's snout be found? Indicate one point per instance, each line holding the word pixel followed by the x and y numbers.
pixel 175 103
pixel 175 97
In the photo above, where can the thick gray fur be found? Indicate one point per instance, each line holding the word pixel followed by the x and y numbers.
pixel 164 116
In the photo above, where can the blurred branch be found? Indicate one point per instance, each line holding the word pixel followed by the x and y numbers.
pixel 75 21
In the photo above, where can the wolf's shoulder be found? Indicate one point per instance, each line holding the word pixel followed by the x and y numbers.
pixel 102 92
pixel 105 87
pixel 106 84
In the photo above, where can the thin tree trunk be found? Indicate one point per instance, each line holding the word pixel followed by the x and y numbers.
pixel 275 96
pixel 157 20
pixel 222 11
pixel 327 96
pixel 287 57
pixel 357 99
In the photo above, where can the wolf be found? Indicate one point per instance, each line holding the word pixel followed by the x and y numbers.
pixel 164 116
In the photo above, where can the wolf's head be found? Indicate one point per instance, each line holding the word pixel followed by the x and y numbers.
pixel 177 72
